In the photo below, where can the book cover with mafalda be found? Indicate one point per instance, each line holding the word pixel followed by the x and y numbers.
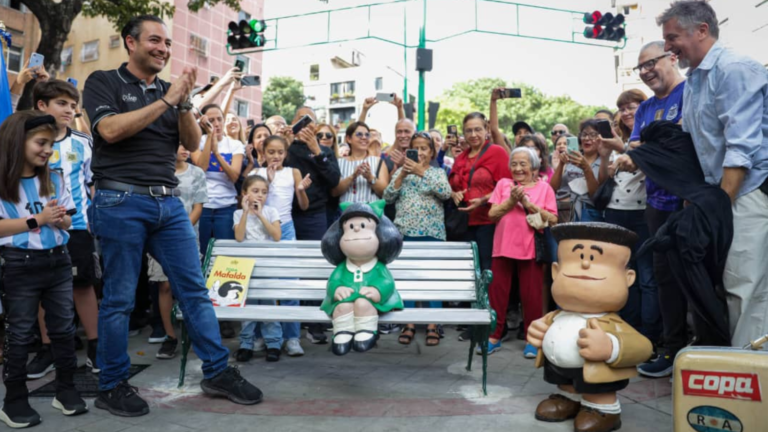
pixel 228 282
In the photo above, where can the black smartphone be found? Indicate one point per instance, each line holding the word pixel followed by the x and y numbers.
pixel 453 130
pixel 240 65
pixel 604 128
pixel 301 124
pixel 412 154
pixel 72 212
pixel 250 123
pixel 251 80
pixel 509 93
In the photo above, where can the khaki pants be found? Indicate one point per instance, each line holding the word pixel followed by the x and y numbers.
pixel 746 270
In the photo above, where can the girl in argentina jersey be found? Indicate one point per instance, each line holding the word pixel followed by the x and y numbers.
pixel 35 213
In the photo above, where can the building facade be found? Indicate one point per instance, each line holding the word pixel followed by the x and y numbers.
pixel 25 35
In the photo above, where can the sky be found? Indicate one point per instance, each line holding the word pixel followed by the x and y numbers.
pixel 585 73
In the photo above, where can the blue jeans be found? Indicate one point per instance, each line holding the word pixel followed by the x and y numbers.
pixel 124 223
pixel 590 214
pixel 291 330
pixel 218 224
pixel 422 304
pixel 270 331
pixel 642 310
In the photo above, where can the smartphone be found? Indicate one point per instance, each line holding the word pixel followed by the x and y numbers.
pixel 604 128
pixel 240 65
pixel 453 130
pixel 573 144
pixel 412 154
pixel 251 80
pixel 72 81
pixel 385 97
pixel 509 93
pixel 301 124
pixel 71 212
pixel 36 60
pixel 251 123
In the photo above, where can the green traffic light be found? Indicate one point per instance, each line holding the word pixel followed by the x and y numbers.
pixel 258 26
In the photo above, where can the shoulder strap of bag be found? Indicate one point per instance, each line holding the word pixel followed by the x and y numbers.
pixel 472 171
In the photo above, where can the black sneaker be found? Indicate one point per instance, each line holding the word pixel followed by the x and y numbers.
pixel 661 367
pixel 243 355
pixel 466 334
pixel 157 336
pixel 69 402
pixel 90 361
pixel 273 354
pixel 168 348
pixel 233 386
pixel 227 332
pixel 18 414
pixel 78 343
pixel 316 337
pixel 123 400
pixel 389 328
pixel 42 364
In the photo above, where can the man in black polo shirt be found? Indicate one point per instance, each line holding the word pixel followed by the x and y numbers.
pixel 138 122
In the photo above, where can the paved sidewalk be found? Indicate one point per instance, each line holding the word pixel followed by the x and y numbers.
pixel 391 388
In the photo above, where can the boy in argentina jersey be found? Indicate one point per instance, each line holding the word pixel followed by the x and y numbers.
pixel 72 152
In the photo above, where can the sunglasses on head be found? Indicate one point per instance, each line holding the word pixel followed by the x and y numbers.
pixel 324 135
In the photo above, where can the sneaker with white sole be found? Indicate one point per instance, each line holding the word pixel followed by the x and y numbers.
pixel 659 368
pixel 259 345
pixel 158 335
pixel 41 364
pixel 293 348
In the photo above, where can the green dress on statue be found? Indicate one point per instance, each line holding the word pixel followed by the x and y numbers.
pixel 350 276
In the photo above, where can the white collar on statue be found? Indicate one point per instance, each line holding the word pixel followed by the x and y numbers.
pixel 365 267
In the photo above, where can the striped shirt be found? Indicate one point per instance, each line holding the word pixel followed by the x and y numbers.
pixel 31 203
pixel 72 159
pixel 360 191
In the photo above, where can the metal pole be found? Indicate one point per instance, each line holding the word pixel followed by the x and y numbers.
pixel 405 56
pixel 422 44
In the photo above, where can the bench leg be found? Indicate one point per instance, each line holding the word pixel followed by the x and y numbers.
pixel 184 353
pixel 485 334
pixel 472 344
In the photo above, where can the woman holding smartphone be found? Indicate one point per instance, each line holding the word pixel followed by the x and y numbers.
pixel 362 179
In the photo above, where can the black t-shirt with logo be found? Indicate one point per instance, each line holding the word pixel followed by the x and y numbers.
pixel 145 159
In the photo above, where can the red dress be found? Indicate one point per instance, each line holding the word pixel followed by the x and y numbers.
pixel 492 167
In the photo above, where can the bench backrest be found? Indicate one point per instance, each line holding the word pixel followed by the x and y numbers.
pixel 296 270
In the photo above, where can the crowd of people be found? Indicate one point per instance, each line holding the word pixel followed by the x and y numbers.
pixel 149 171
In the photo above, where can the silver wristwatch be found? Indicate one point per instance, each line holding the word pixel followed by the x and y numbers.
pixel 185 106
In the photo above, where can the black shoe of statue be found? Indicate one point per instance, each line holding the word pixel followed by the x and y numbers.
pixel 123 400
pixel 367 344
pixel 341 349
pixel 230 384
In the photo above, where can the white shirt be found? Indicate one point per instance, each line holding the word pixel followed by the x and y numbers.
pixel 221 190
pixel 254 229
pixel 560 346
pixel 629 193
pixel 358 271
pixel 72 158
pixel 281 191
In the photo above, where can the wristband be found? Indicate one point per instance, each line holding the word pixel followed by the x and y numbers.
pixel 78 115
pixel 166 102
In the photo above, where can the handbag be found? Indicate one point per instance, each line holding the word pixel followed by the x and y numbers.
pixel 603 194
pixel 538 224
pixel 457 221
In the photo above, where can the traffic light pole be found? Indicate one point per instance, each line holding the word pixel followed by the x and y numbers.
pixel 422 44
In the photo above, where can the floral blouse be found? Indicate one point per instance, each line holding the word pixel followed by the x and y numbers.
pixel 419 203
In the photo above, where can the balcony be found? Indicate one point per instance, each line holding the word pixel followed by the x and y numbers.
pixel 346 98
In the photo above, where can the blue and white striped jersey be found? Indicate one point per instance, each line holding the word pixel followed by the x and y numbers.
pixel 72 158
pixel 31 203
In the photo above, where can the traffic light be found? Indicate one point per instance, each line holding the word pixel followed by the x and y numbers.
pixel 247 34
pixel 604 26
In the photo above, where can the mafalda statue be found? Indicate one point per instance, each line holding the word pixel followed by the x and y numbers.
pixel 360 244
pixel 586 349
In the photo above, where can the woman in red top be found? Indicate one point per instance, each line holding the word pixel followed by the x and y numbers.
pixel 490 167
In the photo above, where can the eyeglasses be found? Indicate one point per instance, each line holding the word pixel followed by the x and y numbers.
pixel 558 132
pixel 591 136
pixel 363 134
pixel 326 135
pixel 628 108
pixel 649 65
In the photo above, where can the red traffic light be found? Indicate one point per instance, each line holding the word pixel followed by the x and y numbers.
pixel 591 18
pixel 605 26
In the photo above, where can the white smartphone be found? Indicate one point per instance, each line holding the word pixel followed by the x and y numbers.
pixel 36 60
pixel 385 97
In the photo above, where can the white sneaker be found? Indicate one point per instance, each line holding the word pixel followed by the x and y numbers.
pixel 259 345
pixel 293 348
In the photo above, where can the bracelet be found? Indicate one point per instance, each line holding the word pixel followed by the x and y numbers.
pixel 166 102
pixel 78 115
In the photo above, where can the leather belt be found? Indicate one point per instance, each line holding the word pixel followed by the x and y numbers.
pixel 155 191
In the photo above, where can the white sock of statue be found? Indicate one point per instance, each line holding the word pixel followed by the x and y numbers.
pixel 344 323
pixel 370 323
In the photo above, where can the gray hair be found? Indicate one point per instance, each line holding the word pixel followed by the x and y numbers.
pixel 691 13
pixel 654 44
pixel 532 157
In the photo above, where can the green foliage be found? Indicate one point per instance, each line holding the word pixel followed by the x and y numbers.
pixel 283 96
pixel 118 12
pixel 539 110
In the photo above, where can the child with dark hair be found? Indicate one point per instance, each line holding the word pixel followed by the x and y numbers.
pixel 259 222
pixel 35 213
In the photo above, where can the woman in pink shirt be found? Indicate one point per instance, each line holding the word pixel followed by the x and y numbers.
pixel 514 250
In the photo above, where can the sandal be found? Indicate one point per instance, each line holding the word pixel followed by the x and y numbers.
pixel 433 338
pixel 406 338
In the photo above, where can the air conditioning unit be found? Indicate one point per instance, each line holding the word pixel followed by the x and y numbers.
pixel 198 44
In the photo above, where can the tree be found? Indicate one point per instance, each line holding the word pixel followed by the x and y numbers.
pixel 537 109
pixel 56 17
pixel 283 96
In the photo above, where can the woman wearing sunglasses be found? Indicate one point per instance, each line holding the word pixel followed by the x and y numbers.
pixel 326 137
pixel 362 179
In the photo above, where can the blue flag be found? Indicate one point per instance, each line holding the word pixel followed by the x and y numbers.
pixel 6 108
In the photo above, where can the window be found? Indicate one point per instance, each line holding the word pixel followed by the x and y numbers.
pixel 243 15
pixel 314 72
pixel 66 57
pixel 198 44
pixel 241 108
pixel 342 115
pixel 90 51
pixel 13 58
pixel 343 90
pixel 114 41
pixel 13 4
pixel 246 63
pixel 379 83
